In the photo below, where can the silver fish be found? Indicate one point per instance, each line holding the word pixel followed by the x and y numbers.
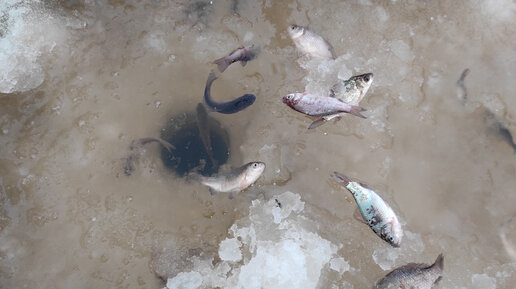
pixel 235 181
pixel 309 43
pixel 242 54
pixel 413 276
pixel 375 211
pixel 352 90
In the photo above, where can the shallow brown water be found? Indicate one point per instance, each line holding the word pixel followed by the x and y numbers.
pixel 70 218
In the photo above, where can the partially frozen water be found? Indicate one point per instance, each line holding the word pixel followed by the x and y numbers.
pixel 81 79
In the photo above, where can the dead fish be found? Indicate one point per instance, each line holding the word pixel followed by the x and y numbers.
pixel 233 182
pixel 375 211
pixel 416 276
pixel 462 93
pixel 136 148
pixel 229 107
pixel 242 54
pixel 204 132
pixel 352 90
pixel 322 106
pixel 309 43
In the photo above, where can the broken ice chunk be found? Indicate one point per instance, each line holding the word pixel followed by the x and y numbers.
pixel 229 250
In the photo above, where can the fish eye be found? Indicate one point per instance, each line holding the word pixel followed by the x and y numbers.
pixel 366 78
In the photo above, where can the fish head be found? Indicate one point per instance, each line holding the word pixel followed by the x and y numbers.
pixel 254 170
pixel 296 31
pixel 392 233
pixel 245 101
pixel 364 81
pixel 291 99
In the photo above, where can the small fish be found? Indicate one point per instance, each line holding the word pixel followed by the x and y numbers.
pixel 242 54
pixel 417 276
pixel 204 132
pixel 136 148
pixel 309 43
pixel 235 181
pixel 229 107
pixel 352 90
pixel 462 93
pixel 375 211
pixel 323 106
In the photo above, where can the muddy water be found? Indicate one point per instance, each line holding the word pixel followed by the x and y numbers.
pixel 116 71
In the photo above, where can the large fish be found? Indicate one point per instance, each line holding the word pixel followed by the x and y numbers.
pixel 309 43
pixel 229 107
pixel 242 54
pixel 318 105
pixel 413 276
pixel 375 211
pixel 235 181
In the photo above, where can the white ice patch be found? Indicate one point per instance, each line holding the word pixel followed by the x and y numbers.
pixel 402 50
pixel 340 265
pixel 26 34
pixel 482 281
pixel 279 247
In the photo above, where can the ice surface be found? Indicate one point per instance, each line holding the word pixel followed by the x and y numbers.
pixel 482 281
pixel 229 250
pixel 280 249
pixel 339 264
pixel 29 33
pixel 411 247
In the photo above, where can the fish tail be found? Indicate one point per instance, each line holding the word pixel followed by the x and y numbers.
pixel 222 64
pixel 355 110
pixel 439 262
pixel 341 179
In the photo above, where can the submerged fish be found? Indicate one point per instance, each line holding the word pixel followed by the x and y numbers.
pixel 323 106
pixel 416 276
pixel 462 93
pixel 204 132
pixel 242 54
pixel 235 181
pixel 375 211
pixel 309 43
pixel 136 148
pixel 229 107
pixel 352 90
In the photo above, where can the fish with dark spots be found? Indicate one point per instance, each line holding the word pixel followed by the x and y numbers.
pixel 229 107
pixel 375 211
pixel 242 54
pixel 413 276
pixel 136 148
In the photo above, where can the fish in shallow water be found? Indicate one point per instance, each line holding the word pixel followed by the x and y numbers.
pixel 235 181
pixel 204 132
pixel 242 54
pixel 352 90
pixel 309 43
pixel 136 148
pixel 322 106
pixel 229 107
pixel 375 211
pixel 413 276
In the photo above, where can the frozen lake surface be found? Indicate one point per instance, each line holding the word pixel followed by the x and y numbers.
pixel 81 79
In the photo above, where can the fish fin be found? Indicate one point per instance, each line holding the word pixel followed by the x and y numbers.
pixel 317 123
pixel 439 262
pixel 355 110
pixel 194 177
pixel 358 216
pixel 243 62
pixel 213 192
pixel 222 64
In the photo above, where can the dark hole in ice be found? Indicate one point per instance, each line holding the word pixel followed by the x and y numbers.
pixel 190 153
